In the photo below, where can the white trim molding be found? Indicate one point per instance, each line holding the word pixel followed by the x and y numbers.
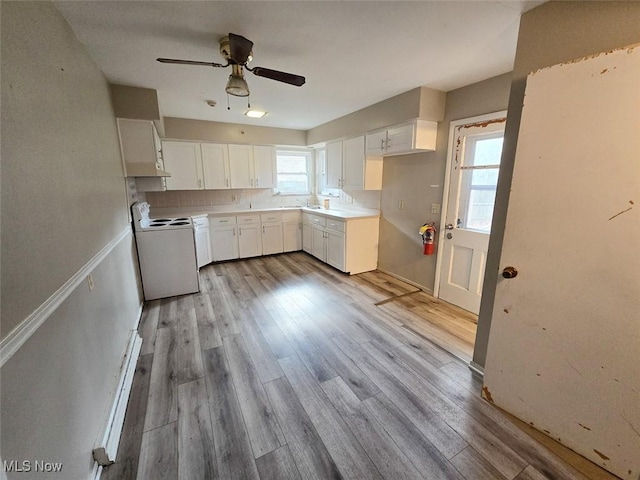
pixel 21 333
pixel 105 452
pixel 477 369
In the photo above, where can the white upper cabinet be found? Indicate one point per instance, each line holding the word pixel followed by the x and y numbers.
pixel 184 159
pixel 252 166
pixel 264 165
pixel 334 165
pixel 141 148
pixel 241 166
pixel 415 136
pixel 349 167
pixel 215 166
pixel 359 170
pixel 376 142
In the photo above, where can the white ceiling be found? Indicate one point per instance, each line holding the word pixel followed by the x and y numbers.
pixel 352 53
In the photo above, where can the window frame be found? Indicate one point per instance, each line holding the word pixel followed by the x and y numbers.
pixel 301 151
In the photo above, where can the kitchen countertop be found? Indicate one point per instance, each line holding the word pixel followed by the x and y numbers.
pixel 202 211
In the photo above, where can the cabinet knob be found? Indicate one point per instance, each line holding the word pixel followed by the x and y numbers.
pixel 509 272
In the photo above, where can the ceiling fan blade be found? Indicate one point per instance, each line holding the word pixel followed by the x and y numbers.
pixel 189 62
pixel 289 78
pixel 240 48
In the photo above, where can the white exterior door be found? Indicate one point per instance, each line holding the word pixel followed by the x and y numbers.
pixel 564 344
pixel 475 151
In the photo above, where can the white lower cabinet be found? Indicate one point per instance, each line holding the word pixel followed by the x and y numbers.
pixel 335 249
pixel 307 237
pixel 318 244
pixel 350 245
pixel 249 241
pixel 224 238
pixel 292 236
pixel 272 240
pixel 203 241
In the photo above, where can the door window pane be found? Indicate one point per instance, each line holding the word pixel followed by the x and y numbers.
pixel 478 181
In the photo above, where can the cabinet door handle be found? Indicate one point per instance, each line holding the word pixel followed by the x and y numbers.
pixel 227 181
pixel 239 231
pixel 262 228
pixel 199 183
pixel 382 144
pixel 257 179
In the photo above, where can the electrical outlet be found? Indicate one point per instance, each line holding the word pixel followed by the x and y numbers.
pixel 90 281
pixel 435 208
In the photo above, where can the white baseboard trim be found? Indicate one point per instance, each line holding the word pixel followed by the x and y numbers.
pixel 21 333
pixel 406 280
pixel 476 369
pixel 105 452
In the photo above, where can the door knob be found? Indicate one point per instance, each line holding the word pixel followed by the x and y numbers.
pixel 509 272
pixel 449 226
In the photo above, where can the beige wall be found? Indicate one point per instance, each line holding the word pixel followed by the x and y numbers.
pixel 135 102
pixel 202 130
pixel 417 179
pixel 424 103
pixel 62 181
pixel 550 34
pixel 63 201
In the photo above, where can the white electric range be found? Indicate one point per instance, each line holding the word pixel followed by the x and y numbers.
pixel 166 253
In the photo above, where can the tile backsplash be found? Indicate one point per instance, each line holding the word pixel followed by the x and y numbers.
pixel 260 198
pixel 249 198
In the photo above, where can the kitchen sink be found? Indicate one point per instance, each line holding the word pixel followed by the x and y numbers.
pixel 314 207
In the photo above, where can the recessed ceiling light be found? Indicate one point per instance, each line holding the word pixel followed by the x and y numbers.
pixel 255 113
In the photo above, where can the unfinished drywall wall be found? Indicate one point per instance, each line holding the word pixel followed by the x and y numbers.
pixel 550 34
pixel 417 181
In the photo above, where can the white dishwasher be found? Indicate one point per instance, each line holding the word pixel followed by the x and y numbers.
pixel 166 253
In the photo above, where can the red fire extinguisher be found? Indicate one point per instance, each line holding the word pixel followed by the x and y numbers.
pixel 428 233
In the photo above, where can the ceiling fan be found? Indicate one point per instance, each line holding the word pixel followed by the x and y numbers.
pixel 237 51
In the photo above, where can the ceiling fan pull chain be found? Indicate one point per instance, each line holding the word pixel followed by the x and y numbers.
pixel 228 107
pixel 248 102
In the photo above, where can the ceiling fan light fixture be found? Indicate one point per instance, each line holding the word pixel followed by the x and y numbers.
pixel 237 85
pixel 255 113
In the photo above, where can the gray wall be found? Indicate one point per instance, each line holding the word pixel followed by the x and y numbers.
pixel 62 180
pixel 410 178
pixel 202 130
pixel 422 102
pixel 550 34
pixel 63 201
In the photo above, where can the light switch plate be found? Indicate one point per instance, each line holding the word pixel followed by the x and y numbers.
pixel 435 208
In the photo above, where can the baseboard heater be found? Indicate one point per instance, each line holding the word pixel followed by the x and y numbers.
pixel 105 453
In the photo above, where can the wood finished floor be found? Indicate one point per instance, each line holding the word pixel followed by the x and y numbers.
pixel 282 367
